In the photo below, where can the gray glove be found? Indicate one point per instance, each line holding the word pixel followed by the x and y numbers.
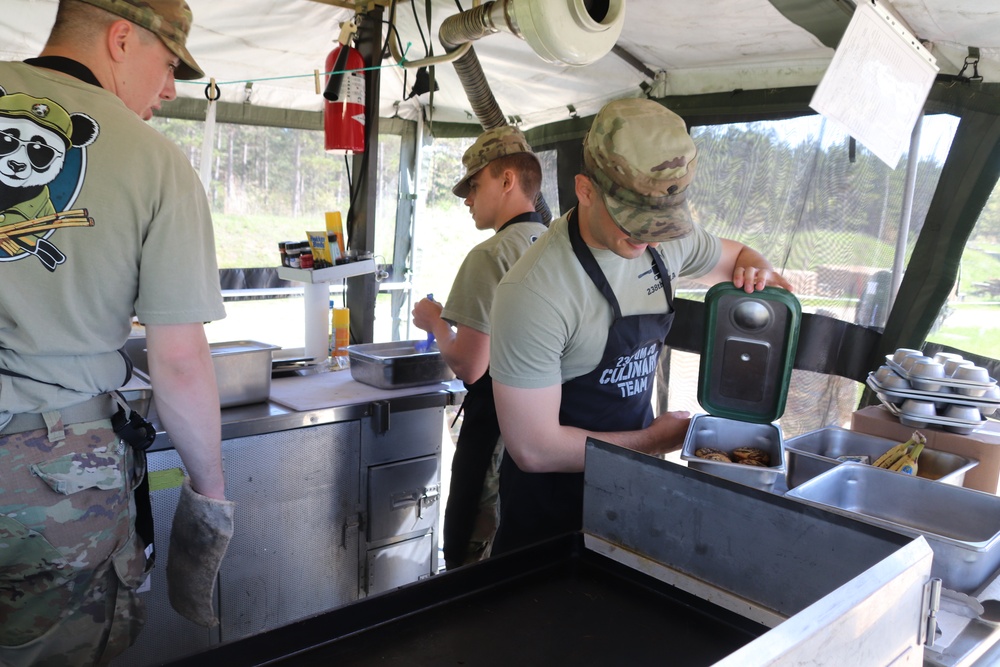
pixel 199 537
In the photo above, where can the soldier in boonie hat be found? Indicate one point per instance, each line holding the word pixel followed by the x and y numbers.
pixel 491 144
pixel 641 157
pixel 170 20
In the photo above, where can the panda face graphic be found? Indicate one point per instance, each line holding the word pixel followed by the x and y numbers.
pixel 30 155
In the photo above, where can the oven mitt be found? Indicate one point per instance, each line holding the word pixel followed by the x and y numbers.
pixel 199 537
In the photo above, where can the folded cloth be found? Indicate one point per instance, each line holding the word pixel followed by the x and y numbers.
pixel 199 538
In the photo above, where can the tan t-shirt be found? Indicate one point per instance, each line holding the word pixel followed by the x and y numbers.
pixel 471 295
pixel 144 244
pixel 550 323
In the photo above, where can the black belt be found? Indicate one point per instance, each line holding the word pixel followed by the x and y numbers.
pixel 98 407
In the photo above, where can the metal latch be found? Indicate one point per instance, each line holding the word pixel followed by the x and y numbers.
pixel 380 416
pixel 929 616
pixel 420 497
pixel 351 525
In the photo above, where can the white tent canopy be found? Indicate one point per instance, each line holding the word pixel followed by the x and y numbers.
pixel 675 47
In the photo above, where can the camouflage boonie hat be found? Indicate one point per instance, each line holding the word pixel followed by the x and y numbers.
pixel 170 20
pixel 40 110
pixel 491 144
pixel 641 157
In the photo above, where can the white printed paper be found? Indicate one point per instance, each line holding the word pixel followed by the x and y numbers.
pixel 877 82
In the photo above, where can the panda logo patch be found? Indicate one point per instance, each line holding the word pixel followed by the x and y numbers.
pixel 42 163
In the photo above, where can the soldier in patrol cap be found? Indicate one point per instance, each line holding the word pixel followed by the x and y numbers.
pixel 102 219
pixel 502 178
pixel 579 321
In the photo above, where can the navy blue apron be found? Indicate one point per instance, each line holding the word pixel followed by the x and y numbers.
pixel 473 453
pixel 615 396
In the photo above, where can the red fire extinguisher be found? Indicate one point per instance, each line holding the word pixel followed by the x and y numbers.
pixel 344 108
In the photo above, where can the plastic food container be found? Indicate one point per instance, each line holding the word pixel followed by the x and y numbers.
pixel 750 343
pixel 397 364
pixel 811 454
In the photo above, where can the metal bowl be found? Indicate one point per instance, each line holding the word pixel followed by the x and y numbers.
pixel 882 373
pixel 903 352
pixel 968 413
pixel 912 359
pixel 942 357
pixel 896 382
pixel 914 413
pixel 924 375
pixel 952 365
pixel 976 374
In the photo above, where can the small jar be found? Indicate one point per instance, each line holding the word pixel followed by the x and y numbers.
pixel 293 250
pixel 306 258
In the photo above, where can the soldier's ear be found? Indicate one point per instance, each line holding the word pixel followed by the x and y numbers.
pixel 585 189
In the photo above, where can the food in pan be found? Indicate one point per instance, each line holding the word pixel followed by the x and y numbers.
pixel 903 457
pixel 751 462
pixel 745 454
pixel 712 454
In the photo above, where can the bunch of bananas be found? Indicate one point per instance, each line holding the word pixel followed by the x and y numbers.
pixel 903 457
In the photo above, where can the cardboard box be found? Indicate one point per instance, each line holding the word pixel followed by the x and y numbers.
pixel 982 445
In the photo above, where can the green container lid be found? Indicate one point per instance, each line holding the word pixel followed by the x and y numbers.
pixel 749 350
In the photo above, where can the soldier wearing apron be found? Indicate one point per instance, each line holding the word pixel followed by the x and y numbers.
pixel 579 321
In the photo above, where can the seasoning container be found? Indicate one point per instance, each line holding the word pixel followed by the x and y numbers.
pixel 306 257
pixel 292 250
pixel 340 338
pixel 283 253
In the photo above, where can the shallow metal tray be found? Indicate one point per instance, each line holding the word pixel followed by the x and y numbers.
pixel 397 364
pixel 961 525
pixel 813 453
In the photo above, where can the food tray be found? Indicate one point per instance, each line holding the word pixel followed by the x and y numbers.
pixel 984 403
pixel 728 434
pixel 397 364
pixel 943 381
pixel 962 526
pixel 242 371
pixel 811 454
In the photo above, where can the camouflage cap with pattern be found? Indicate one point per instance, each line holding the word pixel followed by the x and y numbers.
pixel 492 144
pixel 170 20
pixel 641 157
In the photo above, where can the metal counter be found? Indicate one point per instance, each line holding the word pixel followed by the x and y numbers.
pixel 272 416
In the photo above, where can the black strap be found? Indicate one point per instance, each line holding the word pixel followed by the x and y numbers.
pixel 66 66
pixel 530 216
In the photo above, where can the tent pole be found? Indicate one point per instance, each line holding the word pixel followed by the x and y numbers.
pixel 899 261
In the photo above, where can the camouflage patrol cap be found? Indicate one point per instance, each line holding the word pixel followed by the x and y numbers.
pixel 170 20
pixel 39 110
pixel 492 144
pixel 641 157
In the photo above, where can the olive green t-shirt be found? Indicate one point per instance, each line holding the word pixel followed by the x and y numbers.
pixel 471 295
pixel 550 323
pixel 132 235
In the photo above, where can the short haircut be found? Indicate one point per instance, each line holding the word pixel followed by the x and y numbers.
pixel 78 23
pixel 527 168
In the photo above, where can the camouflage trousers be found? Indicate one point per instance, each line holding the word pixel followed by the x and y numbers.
pixel 488 514
pixel 70 560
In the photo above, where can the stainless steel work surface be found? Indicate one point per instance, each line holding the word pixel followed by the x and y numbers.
pixel 761 547
pixel 334 389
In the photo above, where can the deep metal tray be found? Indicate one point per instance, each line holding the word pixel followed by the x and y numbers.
pixel 961 525
pixel 811 454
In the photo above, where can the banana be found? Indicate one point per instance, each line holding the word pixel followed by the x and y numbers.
pixel 907 464
pixel 897 452
pixel 893 455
